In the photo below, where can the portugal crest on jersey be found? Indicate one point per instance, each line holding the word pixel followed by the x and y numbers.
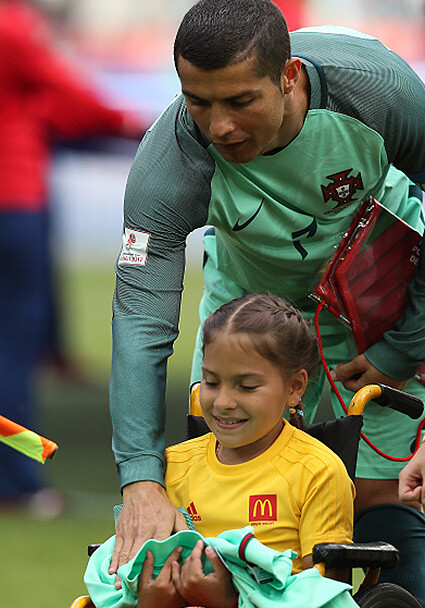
pixel 341 189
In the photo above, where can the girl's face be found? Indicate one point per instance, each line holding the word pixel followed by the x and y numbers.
pixel 244 396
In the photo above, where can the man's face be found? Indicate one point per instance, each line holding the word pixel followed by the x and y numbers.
pixel 239 112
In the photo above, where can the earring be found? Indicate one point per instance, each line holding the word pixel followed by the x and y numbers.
pixel 294 409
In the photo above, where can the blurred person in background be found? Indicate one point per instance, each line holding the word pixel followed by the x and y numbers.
pixel 41 99
pixel 294 11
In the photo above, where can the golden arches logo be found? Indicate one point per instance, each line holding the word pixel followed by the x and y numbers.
pixel 263 507
pixel 263 504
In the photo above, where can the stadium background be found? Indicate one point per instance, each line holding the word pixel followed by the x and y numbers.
pixel 125 48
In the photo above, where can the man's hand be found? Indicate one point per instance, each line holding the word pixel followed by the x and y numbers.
pixel 146 513
pixel 159 592
pixel 359 372
pixel 214 590
pixel 411 486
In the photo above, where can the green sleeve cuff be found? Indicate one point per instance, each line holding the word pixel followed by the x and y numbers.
pixel 142 468
pixel 391 361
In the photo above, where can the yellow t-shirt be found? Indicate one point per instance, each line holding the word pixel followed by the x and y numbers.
pixel 296 494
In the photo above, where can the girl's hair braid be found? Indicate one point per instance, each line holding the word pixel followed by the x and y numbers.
pixel 278 331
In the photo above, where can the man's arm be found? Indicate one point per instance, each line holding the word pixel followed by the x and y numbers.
pixel 167 196
pixel 141 347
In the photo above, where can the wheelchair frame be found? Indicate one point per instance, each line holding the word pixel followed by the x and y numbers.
pixel 369 556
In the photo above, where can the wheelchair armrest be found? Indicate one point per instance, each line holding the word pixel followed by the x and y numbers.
pixel 360 555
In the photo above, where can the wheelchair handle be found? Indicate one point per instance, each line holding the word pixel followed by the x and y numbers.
pixel 386 396
pixel 402 402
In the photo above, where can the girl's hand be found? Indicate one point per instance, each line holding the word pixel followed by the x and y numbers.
pixel 159 592
pixel 215 590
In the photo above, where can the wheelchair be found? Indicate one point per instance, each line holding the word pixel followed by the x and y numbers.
pixel 342 436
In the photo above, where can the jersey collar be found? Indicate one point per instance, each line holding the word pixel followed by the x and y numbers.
pixel 318 83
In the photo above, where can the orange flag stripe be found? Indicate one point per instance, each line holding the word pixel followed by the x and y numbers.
pixel 8 427
pixel 30 443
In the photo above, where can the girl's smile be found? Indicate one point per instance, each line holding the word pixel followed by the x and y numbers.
pixel 244 396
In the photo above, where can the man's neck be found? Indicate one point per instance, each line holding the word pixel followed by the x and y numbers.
pixel 296 108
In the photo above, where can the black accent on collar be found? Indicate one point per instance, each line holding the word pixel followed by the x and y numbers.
pixel 322 80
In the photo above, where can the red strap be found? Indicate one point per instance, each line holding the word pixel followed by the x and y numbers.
pixel 243 545
pixel 340 399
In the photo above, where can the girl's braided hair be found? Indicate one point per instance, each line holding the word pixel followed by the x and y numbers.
pixel 277 330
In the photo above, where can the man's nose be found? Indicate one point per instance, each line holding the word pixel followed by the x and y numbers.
pixel 221 122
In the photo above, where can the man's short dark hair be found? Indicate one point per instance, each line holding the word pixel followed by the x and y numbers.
pixel 217 33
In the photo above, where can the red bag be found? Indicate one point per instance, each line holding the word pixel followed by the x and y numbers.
pixel 366 281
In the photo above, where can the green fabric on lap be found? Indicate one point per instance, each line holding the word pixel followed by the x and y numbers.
pixel 264 580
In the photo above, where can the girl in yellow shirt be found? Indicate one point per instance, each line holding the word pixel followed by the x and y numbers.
pixel 254 467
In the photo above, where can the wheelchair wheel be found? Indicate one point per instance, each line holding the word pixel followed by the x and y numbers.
pixel 385 595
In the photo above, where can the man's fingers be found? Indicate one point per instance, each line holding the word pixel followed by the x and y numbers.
pixel 354 384
pixel 351 377
pixel 359 372
pixel 411 495
pixel 180 522
pixel 343 373
pixel 115 555
pixel 147 513
pixel 410 488
pixel 129 548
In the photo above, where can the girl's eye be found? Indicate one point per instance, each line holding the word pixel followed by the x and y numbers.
pixel 248 388
pixel 210 383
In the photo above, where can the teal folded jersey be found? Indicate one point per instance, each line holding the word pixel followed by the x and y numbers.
pixel 261 575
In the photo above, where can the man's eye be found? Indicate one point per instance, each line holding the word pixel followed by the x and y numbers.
pixel 198 103
pixel 241 104
pixel 210 383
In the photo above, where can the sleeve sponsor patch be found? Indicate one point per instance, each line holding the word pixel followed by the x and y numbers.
pixel 134 251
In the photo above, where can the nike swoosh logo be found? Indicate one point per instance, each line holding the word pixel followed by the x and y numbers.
pixel 238 226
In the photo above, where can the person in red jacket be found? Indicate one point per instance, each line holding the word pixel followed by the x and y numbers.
pixel 294 11
pixel 40 99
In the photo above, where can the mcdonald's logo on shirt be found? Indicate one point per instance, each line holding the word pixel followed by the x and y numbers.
pixel 263 507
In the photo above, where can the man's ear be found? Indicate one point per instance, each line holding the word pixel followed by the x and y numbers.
pixel 290 75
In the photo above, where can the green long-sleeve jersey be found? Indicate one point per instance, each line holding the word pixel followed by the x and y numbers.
pixel 278 218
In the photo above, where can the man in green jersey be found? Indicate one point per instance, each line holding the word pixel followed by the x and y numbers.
pixel 276 141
